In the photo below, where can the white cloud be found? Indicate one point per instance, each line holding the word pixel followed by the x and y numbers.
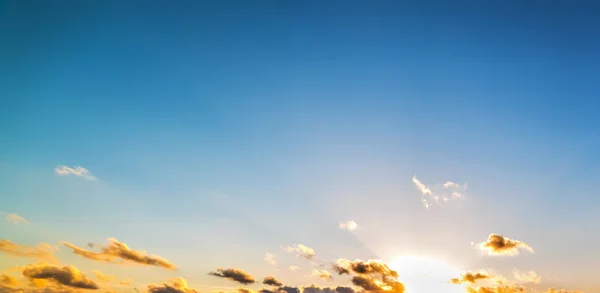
pixel 15 219
pixel 301 250
pixel 323 274
pixel 350 226
pixel 529 277
pixel 293 268
pixel 270 258
pixel 439 193
pixel 63 170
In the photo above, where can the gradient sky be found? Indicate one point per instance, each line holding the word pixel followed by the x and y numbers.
pixel 219 131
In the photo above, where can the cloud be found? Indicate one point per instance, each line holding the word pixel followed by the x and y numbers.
pixel 42 251
pixel 497 289
pixel 102 277
pixel 126 282
pixel 350 226
pixel 115 249
pixel 371 275
pixel 174 285
pixel 552 290
pixel 8 280
pixel 15 219
pixel 234 275
pixel 63 170
pixel 287 289
pixel 67 275
pixel 500 245
pixel 316 289
pixel 323 274
pixel 470 277
pixel 293 268
pixel 245 290
pixel 528 277
pixel 272 281
pixel 439 193
pixel 301 250
pixel 270 258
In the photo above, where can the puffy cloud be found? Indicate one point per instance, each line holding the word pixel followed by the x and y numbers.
pixel 115 249
pixel 174 285
pixel 234 275
pixel 272 281
pixel 15 219
pixel 8 280
pixel 372 275
pixel 293 268
pixel 78 171
pixel 323 274
pixel 528 277
pixel 301 250
pixel 470 277
pixel 439 193
pixel 350 226
pixel 67 275
pixel 102 277
pixel 500 245
pixel 42 251
pixel 270 258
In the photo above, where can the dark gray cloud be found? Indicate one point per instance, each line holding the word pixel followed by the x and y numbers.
pixel 234 275
pixel 67 275
pixel 501 245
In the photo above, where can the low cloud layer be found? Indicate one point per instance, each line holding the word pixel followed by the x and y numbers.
pixel 42 251
pixel 102 277
pixel 301 250
pixel 272 281
pixel 174 285
pixel 497 289
pixel 471 277
pixel 349 225
pixel 78 171
pixel 316 289
pixel 118 250
pixel 234 275
pixel 439 193
pixel 501 245
pixel 67 275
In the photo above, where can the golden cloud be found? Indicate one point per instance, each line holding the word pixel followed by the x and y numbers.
pixel 115 249
pixel 67 275
pixel 500 245
pixel 174 285
pixel 316 289
pixel 234 275
pixel 323 274
pixel 470 277
pixel 42 251
pixel 272 281
pixel 8 280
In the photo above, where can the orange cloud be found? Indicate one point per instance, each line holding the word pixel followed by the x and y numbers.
pixel 67 275
pixel 15 219
pixel 372 275
pixel 470 277
pixel 42 251
pixel 175 285
pixel 500 245
pixel 115 249
pixel 234 275
pixel 7 280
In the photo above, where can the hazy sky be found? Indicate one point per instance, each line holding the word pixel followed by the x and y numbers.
pixel 211 133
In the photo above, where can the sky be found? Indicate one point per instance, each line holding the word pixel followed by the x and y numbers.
pixel 336 146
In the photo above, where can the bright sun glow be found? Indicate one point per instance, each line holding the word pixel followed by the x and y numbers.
pixel 424 275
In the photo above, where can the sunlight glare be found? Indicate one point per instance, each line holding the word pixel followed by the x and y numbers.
pixel 425 275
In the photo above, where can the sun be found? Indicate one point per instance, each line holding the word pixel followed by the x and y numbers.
pixel 426 275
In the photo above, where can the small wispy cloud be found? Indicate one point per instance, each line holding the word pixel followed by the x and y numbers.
pixel 349 225
pixel 323 274
pixel 439 193
pixel 78 171
pixel 301 250
pixel 270 259
pixel 528 277
pixel 16 219
pixel 293 268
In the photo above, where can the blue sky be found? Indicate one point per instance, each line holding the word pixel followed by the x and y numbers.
pixel 231 129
